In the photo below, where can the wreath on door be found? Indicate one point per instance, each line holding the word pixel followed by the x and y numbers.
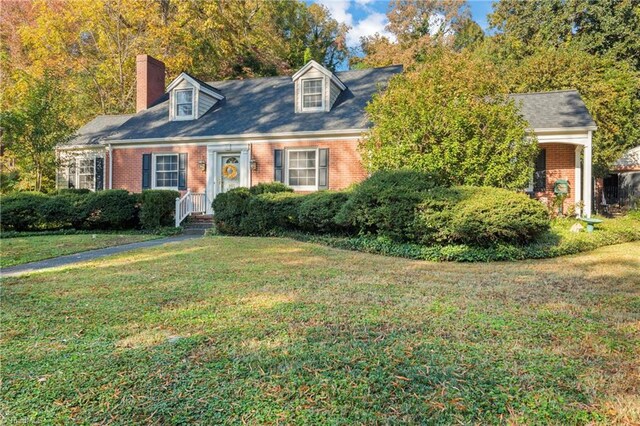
pixel 229 171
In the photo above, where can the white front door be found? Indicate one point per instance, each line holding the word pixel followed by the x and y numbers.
pixel 227 168
pixel 229 172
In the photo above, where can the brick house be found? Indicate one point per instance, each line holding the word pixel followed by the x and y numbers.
pixel 301 130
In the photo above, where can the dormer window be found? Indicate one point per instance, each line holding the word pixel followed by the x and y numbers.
pixel 190 98
pixel 312 94
pixel 184 103
pixel 316 88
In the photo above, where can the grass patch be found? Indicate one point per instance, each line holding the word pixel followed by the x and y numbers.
pixel 268 330
pixel 19 250
pixel 558 241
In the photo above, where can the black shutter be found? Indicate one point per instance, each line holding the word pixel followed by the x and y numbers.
pixel 323 168
pixel 72 173
pixel 146 171
pixel 277 165
pixel 182 171
pixel 540 174
pixel 99 172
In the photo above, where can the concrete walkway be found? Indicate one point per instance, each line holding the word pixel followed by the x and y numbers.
pixel 56 262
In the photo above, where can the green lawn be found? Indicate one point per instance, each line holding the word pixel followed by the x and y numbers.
pixel 16 251
pixel 260 330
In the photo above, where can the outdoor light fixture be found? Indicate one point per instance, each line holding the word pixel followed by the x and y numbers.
pixel 202 165
pixel 254 165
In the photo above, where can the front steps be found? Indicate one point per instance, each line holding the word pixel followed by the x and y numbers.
pixel 197 224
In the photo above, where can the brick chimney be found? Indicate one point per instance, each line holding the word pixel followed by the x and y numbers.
pixel 149 81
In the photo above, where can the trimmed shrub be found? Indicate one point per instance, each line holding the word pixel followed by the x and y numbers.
pixel 59 212
pixel 271 212
pixel 111 209
pixel 486 216
pixel 269 188
pixel 386 204
pixel 229 209
pixel 21 211
pixel 479 216
pixel 317 212
pixel 157 208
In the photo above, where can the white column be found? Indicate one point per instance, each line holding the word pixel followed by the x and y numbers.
pixel 577 181
pixel 110 151
pixel 588 180
pixel 245 168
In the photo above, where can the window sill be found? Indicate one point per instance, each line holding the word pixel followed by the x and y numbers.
pixel 304 188
pixel 170 188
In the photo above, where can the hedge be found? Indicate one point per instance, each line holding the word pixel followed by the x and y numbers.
pixel 479 216
pixel 21 211
pixel 402 207
pixel 271 212
pixel 157 208
pixel 317 212
pixel 85 210
pixel 386 204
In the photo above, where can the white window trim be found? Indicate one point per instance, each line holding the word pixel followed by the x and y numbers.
pixel 174 107
pixel 78 174
pixel 286 170
pixel 153 170
pixel 322 95
pixel 76 162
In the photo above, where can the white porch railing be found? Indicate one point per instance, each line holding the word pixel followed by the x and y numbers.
pixel 191 202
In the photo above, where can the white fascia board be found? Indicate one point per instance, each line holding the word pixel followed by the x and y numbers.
pixel 314 64
pixel 563 129
pixel 194 83
pixel 81 148
pixel 250 137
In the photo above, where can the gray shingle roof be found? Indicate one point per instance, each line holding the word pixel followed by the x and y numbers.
pixel 552 110
pixel 263 106
pixel 97 129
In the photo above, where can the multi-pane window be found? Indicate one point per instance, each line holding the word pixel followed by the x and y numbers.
pixel 540 172
pixel 166 171
pixel 302 168
pixel 184 103
pixel 86 173
pixel 312 93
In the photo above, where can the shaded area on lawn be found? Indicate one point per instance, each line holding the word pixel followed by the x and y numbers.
pixel 20 250
pixel 272 330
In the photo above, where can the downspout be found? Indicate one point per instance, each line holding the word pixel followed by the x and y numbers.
pixel 110 150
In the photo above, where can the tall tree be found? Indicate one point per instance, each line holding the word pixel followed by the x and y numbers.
pixel 598 27
pixel 450 116
pixel 417 26
pixel 33 127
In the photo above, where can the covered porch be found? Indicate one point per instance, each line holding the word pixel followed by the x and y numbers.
pixel 565 157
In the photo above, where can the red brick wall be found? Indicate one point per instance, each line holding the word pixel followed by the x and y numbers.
pixel 127 166
pixel 560 161
pixel 345 166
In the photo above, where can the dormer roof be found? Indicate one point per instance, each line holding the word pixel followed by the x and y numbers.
pixel 313 64
pixel 197 83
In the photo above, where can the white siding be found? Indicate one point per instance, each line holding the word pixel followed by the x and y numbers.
pixel 311 73
pixel 205 102
pixel 334 92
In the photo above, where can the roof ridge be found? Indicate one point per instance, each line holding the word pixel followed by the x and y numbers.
pixel 289 76
pixel 546 91
pixel 114 115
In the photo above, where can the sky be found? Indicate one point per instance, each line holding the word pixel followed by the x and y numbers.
pixel 366 17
